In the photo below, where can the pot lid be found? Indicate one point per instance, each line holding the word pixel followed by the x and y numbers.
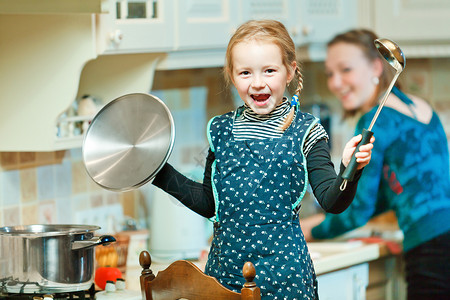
pixel 47 229
pixel 128 141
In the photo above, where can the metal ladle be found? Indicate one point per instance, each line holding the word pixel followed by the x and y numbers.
pixel 392 53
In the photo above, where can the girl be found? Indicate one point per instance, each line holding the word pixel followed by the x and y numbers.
pixel 409 172
pixel 261 159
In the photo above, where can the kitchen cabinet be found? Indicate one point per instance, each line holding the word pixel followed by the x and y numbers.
pixel 51 59
pixel 320 20
pixel 347 268
pixel 349 283
pixel 41 60
pixel 418 20
pixel 57 51
pixel 386 279
pixel 205 24
pixel 419 26
pixel 137 26
pixel 285 11
pixel 52 6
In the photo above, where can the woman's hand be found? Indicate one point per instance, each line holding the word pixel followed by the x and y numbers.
pixel 363 156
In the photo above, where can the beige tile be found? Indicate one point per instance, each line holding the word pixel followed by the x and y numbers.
pixel 96 200
pixel 440 79
pixel 128 204
pixel 11 215
pixel 92 186
pixel 184 99
pixel 29 214
pixel 79 181
pixel 47 212
pixel 28 185
pixel 112 198
pixel 417 78
pixel 81 203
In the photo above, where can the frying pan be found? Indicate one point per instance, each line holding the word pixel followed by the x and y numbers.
pixel 128 142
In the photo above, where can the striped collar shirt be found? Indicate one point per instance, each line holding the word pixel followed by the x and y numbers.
pixel 250 125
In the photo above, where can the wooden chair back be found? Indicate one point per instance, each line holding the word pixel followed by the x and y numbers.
pixel 184 280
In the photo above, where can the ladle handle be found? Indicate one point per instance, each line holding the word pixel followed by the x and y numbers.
pixel 349 172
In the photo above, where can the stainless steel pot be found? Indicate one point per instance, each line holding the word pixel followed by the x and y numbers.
pixel 48 258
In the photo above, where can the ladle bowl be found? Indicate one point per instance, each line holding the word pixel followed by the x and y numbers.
pixel 392 53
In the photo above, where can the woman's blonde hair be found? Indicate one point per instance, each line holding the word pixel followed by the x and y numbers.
pixel 364 39
pixel 269 31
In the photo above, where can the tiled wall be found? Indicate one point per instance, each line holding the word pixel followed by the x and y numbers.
pixel 50 187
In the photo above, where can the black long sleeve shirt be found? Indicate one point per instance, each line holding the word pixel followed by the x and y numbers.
pixel 321 173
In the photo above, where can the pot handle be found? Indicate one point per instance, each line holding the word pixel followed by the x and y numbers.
pixel 102 240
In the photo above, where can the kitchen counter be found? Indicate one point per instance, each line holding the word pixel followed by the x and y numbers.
pixel 369 256
pixel 331 256
pixel 327 257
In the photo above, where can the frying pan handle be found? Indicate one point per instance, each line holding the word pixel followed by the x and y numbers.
pixel 349 172
pixel 84 244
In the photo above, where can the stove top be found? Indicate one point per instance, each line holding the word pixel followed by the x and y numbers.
pixel 80 295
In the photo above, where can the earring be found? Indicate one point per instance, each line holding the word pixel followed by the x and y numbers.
pixel 375 80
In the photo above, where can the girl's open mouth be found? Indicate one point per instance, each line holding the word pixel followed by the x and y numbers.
pixel 260 99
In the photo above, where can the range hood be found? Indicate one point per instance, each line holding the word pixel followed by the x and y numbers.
pixel 48 60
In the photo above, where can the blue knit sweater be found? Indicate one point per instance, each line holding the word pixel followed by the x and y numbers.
pixel 408 173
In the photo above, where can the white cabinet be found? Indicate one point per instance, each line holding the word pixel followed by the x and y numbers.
pixel 412 20
pixel 136 26
pixel 345 284
pixel 317 21
pixel 48 61
pixel 110 47
pixel 285 11
pixel 420 27
pixel 320 20
pixel 205 24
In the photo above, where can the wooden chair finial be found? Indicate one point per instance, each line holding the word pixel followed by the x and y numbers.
pixel 249 273
pixel 145 261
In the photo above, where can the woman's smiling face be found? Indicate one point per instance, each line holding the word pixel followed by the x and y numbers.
pixel 259 74
pixel 350 75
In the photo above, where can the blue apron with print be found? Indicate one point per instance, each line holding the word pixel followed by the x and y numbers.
pixel 258 184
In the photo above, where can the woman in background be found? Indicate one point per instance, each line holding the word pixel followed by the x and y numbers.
pixel 409 170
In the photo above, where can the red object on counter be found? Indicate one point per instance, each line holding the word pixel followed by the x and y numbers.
pixel 393 247
pixel 104 274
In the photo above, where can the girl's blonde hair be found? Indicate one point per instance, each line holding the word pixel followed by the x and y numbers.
pixel 269 31
pixel 364 39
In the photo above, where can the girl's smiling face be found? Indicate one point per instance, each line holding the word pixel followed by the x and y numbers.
pixel 350 75
pixel 259 75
